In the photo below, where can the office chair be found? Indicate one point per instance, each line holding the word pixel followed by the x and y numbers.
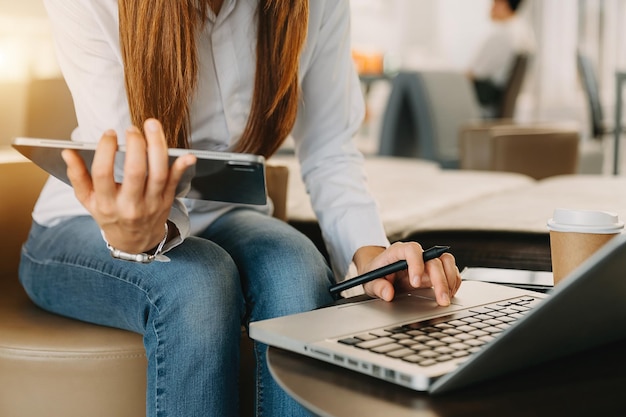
pixel 506 110
pixel 498 102
pixel 589 81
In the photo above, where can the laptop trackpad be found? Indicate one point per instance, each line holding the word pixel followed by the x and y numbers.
pixel 407 306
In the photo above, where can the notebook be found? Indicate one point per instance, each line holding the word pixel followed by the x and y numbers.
pixel 488 330
pixel 529 280
pixel 216 176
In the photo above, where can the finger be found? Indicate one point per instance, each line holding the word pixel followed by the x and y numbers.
pixel 102 167
pixel 380 288
pixel 459 280
pixel 135 167
pixel 453 275
pixel 385 288
pixel 158 164
pixel 435 270
pixel 413 253
pixel 180 165
pixel 78 174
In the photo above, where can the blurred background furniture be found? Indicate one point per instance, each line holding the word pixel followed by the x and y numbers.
pixel 620 80
pixel 589 81
pixel 506 110
pixel 476 144
pixel 409 192
pixel 424 112
pixel 536 151
pixel 49 110
pixel 508 229
pixel 600 127
pixel 497 102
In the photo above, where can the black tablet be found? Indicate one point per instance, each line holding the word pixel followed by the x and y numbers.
pixel 216 176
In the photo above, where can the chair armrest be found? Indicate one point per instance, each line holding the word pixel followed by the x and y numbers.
pixel 276 177
pixel 19 189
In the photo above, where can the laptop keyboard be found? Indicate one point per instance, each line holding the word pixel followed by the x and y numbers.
pixel 443 339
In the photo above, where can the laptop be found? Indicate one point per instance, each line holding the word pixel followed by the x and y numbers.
pixel 216 176
pixel 488 330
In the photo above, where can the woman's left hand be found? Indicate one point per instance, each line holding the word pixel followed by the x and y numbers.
pixel 441 273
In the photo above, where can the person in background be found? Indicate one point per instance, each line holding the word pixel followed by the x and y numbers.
pixel 492 64
pixel 219 75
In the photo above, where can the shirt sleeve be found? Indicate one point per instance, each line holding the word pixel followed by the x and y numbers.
pixel 87 43
pixel 330 114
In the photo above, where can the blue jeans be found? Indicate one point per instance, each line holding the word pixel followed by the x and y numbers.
pixel 245 267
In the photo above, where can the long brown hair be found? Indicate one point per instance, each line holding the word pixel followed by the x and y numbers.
pixel 158 41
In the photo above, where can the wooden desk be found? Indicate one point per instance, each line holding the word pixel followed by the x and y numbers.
pixel 587 384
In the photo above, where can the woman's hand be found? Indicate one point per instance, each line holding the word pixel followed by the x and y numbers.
pixel 441 273
pixel 132 214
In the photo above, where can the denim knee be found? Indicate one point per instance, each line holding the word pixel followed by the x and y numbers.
pixel 286 275
pixel 203 291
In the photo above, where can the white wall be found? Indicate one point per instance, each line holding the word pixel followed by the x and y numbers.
pixel 421 33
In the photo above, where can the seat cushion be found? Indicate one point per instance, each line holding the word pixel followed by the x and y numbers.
pixel 45 360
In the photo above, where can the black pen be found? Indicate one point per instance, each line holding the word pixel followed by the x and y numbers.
pixel 430 253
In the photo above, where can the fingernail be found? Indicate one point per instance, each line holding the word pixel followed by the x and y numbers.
pixel 64 155
pixel 110 132
pixel 415 281
pixel 152 125
pixel 190 160
pixel 386 293
pixel 132 129
pixel 446 299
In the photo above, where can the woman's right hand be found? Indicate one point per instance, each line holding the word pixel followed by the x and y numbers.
pixel 440 274
pixel 132 214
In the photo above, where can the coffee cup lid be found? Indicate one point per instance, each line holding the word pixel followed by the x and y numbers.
pixel 585 221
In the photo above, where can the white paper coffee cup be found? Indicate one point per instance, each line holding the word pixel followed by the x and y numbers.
pixel 577 234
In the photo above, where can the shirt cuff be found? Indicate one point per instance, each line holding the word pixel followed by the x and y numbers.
pixel 180 218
